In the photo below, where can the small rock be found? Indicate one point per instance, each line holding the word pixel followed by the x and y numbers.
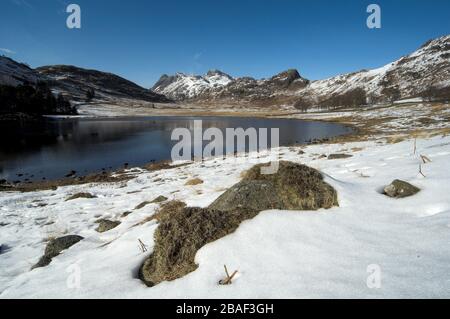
pixel 142 205
pixel 159 199
pixel 400 189
pixel 125 214
pixel 104 225
pixel 338 156
pixel 81 195
pixel 71 173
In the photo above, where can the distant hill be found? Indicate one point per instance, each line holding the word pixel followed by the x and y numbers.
pixel 25 94
pixel 78 83
pixel 14 73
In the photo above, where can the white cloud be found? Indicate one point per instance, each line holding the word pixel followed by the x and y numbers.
pixel 197 56
pixel 7 51
pixel 22 3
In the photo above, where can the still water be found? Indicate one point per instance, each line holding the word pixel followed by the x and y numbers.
pixel 52 148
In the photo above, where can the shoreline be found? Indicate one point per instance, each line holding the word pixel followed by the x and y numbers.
pixel 365 124
pixel 361 131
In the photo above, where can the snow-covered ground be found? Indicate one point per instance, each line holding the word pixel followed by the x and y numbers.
pixel 279 254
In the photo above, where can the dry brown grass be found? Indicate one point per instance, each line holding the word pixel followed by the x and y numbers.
pixel 162 165
pixel 394 139
pixel 162 211
pixel 100 178
pixel 194 181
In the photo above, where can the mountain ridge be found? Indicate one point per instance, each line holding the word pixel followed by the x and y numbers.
pixel 424 73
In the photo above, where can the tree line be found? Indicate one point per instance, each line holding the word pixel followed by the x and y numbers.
pixel 33 100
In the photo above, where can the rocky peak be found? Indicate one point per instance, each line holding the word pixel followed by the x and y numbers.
pixel 216 72
pixel 287 78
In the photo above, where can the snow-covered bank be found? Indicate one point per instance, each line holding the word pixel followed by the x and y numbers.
pixel 279 254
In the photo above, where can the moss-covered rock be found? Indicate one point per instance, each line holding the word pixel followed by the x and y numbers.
pixel 104 225
pixel 55 247
pixel 292 187
pixel 400 189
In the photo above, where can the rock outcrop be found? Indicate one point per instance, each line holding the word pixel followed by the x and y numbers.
pixel 184 230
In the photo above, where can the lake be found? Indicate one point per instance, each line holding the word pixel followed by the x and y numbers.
pixel 52 148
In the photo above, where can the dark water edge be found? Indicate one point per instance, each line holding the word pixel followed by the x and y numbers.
pixel 54 147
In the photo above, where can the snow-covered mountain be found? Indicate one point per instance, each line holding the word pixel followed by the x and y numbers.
pixel 217 84
pixel 181 86
pixel 408 77
pixel 14 73
pixel 76 82
pixel 424 73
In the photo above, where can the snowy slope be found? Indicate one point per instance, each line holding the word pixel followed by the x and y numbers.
pixel 15 73
pixel 279 254
pixel 411 75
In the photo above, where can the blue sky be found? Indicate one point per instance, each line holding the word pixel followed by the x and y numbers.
pixel 142 39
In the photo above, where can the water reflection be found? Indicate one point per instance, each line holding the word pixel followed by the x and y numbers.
pixel 50 149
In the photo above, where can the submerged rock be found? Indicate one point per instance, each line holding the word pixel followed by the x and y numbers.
pixel 184 230
pixel 104 225
pixel 55 247
pixel 400 189
pixel 292 187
